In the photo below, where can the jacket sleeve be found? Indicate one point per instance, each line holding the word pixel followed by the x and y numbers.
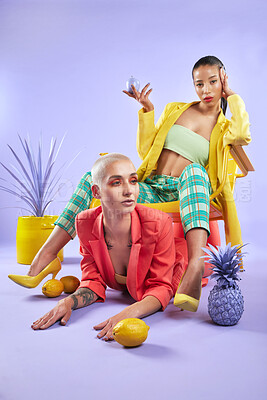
pixel 147 130
pixel 91 277
pixel 159 278
pixel 237 132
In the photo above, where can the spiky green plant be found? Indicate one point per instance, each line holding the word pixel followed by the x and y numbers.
pixel 225 301
pixel 34 181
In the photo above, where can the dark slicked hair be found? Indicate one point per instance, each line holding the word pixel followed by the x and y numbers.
pixel 211 60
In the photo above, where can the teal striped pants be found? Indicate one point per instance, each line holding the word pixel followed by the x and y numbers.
pixel 192 188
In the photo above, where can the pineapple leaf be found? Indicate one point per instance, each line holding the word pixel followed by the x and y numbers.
pixel 225 263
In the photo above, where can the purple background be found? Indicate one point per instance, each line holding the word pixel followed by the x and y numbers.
pixel 63 66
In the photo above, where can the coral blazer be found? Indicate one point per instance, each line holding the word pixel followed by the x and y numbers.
pixel 155 266
pixel 151 138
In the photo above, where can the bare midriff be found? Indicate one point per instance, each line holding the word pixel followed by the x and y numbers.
pixel 171 163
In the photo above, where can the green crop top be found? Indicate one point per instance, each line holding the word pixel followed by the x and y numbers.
pixel 188 144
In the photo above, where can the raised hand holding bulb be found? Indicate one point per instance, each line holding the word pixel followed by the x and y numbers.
pixel 133 86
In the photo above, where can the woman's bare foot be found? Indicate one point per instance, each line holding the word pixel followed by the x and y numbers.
pixel 40 262
pixel 48 252
pixel 191 281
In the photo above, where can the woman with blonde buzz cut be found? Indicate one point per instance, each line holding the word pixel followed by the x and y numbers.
pixel 125 246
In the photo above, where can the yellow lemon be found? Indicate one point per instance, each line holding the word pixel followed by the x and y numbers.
pixel 52 288
pixel 71 283
pixel 130 332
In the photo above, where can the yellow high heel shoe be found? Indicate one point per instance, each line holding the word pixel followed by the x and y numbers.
pixel 32 281
pixel 184 301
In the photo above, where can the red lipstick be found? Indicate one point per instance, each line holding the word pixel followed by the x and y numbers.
pixel 208 99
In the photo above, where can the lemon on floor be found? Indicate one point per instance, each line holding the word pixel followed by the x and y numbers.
pixel 130 332
pixel 52 288
pixel 71 283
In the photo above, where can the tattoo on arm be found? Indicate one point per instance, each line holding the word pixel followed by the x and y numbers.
pixel 83 297
pixel 75 301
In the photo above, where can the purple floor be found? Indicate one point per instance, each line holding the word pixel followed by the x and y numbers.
pixel 185 355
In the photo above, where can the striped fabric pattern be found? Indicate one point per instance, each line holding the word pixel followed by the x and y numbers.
pixel 194 198
pixel 192 188
pixel 79 201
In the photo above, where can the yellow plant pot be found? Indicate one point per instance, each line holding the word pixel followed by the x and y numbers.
pixel 32 233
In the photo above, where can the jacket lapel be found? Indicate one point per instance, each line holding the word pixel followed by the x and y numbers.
pixel 215 141
pixel 150 163
pixel 100 252
pixel 143 244
pixel 134 255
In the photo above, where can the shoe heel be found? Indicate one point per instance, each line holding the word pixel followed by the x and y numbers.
pixel 54 274
pixel 57 267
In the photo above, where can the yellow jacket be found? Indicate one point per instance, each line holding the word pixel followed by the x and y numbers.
pixel 151 138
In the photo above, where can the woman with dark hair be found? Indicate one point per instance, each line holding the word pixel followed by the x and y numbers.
pixel 212 60
pixel 188 139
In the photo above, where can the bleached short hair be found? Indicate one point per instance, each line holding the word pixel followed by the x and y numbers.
pixel 99 168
